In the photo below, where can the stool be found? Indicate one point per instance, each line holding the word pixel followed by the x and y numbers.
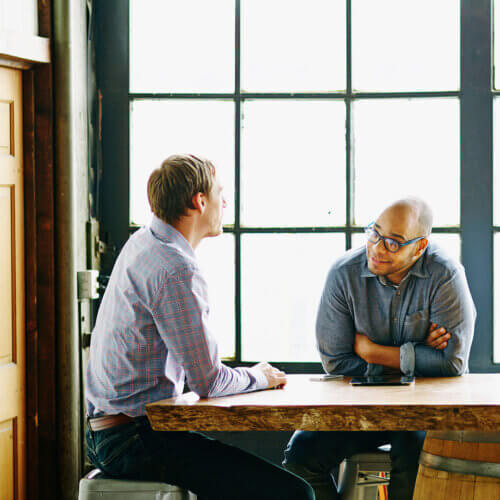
pixel 96 486
pixel 359 479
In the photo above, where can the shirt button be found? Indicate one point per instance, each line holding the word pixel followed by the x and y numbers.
pixel 398 293
pixel 395 318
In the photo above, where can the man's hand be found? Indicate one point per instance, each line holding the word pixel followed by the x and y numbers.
pixel 275 378
pixel 363 346
pixel 438 337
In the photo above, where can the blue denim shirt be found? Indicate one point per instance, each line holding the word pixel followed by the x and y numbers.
pixel 355 300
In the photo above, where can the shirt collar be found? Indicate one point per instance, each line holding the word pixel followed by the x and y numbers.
pixel 167 233
pixel 419 269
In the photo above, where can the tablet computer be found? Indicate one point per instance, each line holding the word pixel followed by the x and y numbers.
pixel 383 380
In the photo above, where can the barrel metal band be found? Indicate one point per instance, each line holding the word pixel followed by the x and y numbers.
pixel 459 466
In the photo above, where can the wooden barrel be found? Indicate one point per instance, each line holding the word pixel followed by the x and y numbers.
pixel 459 465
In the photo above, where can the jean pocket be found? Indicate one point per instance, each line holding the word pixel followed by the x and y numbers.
pixel 120 453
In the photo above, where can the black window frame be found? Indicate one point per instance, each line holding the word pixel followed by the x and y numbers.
pixel 476 154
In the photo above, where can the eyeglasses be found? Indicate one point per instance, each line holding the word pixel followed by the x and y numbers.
pixel 390 244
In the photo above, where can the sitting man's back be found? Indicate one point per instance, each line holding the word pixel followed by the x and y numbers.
pixel 152 333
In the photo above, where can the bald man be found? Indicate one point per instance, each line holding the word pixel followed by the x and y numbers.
pixel 400 304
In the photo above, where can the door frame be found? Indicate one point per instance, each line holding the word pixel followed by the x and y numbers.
pixel 31 54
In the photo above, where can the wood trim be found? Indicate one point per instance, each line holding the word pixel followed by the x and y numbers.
pixel 30 274
pixel 39 273
pixel 47 469
pixel 14 258
pixel 15 435
pixel 41 349
pixel 22 51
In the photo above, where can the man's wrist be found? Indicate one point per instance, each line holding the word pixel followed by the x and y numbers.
pixel 260 378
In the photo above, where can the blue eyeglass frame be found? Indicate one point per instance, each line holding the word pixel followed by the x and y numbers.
pixel 384 238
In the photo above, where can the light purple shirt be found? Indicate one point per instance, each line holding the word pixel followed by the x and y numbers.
pixel 152 331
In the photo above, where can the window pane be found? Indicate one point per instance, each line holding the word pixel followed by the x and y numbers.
pixel 162 128
pixel 358 240
pixel 496 293
pixel 400 45
pixel 293 163
pixel 183 46
pixel 496 157
pixel 450 243
pixel 293 46
pixel 216 259
pixel 282 280
pixel 407 147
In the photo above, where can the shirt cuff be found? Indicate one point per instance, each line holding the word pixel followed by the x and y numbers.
pixel 407 358
pixel 260 379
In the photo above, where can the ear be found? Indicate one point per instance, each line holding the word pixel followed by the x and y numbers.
pixel 422 245
pixel 199 202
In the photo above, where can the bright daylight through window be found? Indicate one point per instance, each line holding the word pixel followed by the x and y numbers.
pixel 315 119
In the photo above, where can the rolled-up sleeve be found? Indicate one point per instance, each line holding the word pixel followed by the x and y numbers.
pixel 407 358
pixel 452 308
pixel 335 330
pixel 181 317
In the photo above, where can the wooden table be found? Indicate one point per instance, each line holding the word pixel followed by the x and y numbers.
pixel 470 402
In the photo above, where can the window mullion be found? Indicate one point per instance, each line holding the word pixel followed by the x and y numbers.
pixel 237 164
pixel 476 123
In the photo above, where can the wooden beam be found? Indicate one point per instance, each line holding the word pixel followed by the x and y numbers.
pixel 38 117
pixel 30 273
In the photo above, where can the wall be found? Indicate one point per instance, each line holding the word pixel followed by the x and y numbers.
pixel 19 15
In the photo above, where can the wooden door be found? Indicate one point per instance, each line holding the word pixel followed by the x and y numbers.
pixel 12 355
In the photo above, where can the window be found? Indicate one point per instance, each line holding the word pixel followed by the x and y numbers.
pixel 316 114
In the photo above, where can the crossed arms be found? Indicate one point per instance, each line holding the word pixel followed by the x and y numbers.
pixel 441 353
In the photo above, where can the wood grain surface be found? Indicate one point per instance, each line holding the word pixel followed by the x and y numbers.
pixel 470 402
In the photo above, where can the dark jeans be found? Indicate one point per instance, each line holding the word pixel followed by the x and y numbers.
pixel 210 469
pixel 313 456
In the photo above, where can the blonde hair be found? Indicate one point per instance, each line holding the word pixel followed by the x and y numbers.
pixel 171 187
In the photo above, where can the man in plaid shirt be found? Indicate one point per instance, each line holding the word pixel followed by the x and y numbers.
pixel 152 333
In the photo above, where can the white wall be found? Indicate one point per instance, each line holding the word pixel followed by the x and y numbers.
pixel 19 15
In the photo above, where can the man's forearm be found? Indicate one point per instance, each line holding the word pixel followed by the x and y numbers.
pixel 385 355
pixel 377 354
pixel 445 363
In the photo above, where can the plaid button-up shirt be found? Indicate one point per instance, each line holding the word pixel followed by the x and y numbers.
pixel 151 330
